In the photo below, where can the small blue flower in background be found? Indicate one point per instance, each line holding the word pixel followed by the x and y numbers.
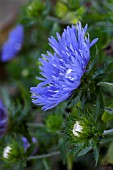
pixel 13 44
pixel 26 144
pixel 62 71
pixel 3 119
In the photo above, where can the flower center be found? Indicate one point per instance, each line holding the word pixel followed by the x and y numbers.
pixel 69 74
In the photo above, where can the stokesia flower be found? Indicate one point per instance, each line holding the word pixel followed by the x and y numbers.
pixel 13 44
pixel 3 119
pixel 62 71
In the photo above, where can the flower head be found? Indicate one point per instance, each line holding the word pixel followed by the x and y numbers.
pixel 62 71
pixel 13 44
pixel 3 119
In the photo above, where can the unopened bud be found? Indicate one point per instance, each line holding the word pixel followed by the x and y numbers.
pixel 77 128
pixel 6 152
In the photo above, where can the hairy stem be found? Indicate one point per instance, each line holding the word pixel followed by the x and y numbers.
pixel 35 125
pixel 44 155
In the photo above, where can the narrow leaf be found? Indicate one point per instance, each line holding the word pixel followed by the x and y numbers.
pixel 96 154
pixel 84 151
pixel 106 84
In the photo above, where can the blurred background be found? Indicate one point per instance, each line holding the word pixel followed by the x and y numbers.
pixel 9 10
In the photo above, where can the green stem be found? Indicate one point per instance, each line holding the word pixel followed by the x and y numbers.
pixel 44 155
pixel 35 125
pixel 107 132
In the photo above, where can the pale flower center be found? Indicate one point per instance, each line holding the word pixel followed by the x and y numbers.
pixel 69 75
pixel 77 128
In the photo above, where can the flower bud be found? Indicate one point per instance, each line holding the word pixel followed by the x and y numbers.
pixel 13 152
pixel 77 128
pixel 3 119
pixel 82 132
pixel 54 122
pixel 6 152
pixel 35 8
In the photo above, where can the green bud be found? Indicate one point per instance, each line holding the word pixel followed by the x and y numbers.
pixel 35 8
pixel 54 122
pixel 25 72
pixel 14 155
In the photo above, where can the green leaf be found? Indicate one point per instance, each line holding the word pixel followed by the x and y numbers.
pixel 109 110
pixel 109 67
pixel 106 84
pixel 93 62
pixel 84 151
pixel 109 76
pixel 72 5
pixel 63 150
pixel 96 154
pixel 108 114
pixel 74 101
pixel 99 106
pixel 48 7
pixel 108 159
pixel 46 164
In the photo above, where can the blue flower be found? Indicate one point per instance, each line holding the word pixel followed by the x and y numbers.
pixel 62 71
pixel 13 44
pixel 3 119
pixel 26 144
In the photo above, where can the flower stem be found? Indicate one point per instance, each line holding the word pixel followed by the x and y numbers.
pixel 35 125
pixel 107 132
pixel 44 155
